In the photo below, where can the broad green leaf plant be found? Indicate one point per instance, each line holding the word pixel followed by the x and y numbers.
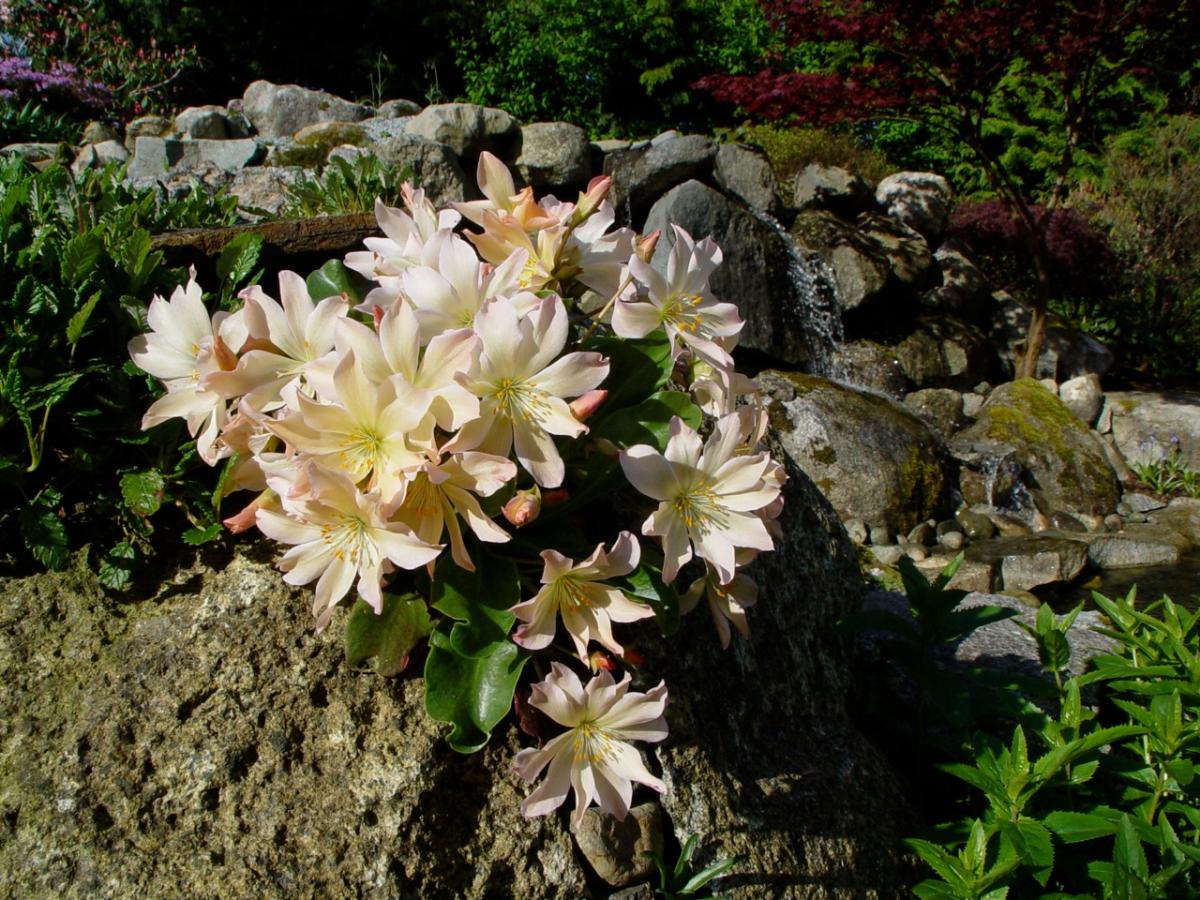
pixel 76 259
pixel 504 448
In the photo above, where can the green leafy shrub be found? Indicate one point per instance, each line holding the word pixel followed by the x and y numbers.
pixel 76 270
pixel 344 187
pixel 1071 798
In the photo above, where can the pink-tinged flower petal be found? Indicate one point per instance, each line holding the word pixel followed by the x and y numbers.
pixel 635 320
pixel 537 454
pixel 684 444
pixel 572 375
pixel 649 472
pixel 677 548
pixel 500 329
pixel 552 792
pixel 550 323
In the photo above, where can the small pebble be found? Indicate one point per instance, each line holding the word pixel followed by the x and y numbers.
pixel 915 552
pixel 952 540
pixel 856 529
pixel 1113 522
pixel 880 535
pixel 888 554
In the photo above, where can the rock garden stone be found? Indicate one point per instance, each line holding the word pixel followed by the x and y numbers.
pixel 975 525
pixel 1029 562
pixel 311 145
pixel 1082 395
pixel 97 156
pixel 871 458
pixel 915 552
pixel 264 187
pixel 98 133
pixel 881 535
pixel 640 177
pixel 871 366
pixel 972 403
pixel 397 109
pixel 964 289
pixel 281 110
pixel 939 408
pixel 856 530
pixel 951 540
pixel 818 186
pixel 39 154
pixel 155 157
pixel 887 554
pixel 922 533
pixel 469 129
pixel 378 128
pixel 1141 503
pixel 944 352
pixel 789 313
pixel 211 122
pixel 433 166
pixel 1066 353
pixel 1150 425
pixel 146 126
pixel 921 200
pixel 554 156
pixel 972 575
pixel 1136 545
pixel 745 172
pixel 1183 520
pixel 619 851
pixel 1061 521
pixel 859 266
pixel 907 253
pixel 1063 463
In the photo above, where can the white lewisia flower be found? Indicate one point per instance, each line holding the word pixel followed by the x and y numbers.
pixel 521 386
pixel 594 756
pixel 681 303
pixel 185 348
pixel 338 534
pixel 709 496
pixel 406 235
pixel 576 592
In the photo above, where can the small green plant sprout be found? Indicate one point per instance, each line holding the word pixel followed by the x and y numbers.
pixel 965 874
pixel 1165 473
pixel 681 881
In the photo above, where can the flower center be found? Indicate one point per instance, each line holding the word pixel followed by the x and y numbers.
pixel 681 312
pixel 349 536
pixel 698 508
pixel 519 399
pixel 569 593
pixel 360 452
pixel 592 744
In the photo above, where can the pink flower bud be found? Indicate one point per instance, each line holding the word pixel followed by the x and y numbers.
pixel 524 507
pixel 377 315
pixel 245 519
pixel 583 406
pixel 598 660
pixel 645 247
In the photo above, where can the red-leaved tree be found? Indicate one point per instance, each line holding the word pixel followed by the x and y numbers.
pixel 943 62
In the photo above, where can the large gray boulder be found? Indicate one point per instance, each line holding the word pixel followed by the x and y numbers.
pixel 818 186
pixel 921 200
pixel 859 265
pixel 469 129
pixel 280 110
pixel 946 352
pixel 434 166
pixel 1151 425
pixel 199 740
pixel 156 157
pixel 209 122
pixel 906 251
pixel 641 175
pixel 745 173
pixel 785 297
pixel 872 459
pixel 554 156
pixel 1024 433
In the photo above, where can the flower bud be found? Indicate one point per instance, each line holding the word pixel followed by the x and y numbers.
pixel 246 518
pixel 588 203
pixel 583 406
pixel 645 247
pixel 598 660
pixel 524 507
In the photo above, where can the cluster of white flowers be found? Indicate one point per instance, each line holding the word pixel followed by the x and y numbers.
pixel 374 435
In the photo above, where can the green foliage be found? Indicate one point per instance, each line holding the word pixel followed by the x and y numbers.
pixel 791 148
pixel 1104 799
pixel 387 638
pixel 680 881
pixel 1168 474
pixel 32 121
pixel 76 270
pixel 623 71
pixel 344 187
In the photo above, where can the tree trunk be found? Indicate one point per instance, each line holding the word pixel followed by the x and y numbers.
pixel 1039 305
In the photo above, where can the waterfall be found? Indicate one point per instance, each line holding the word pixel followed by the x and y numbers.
pixel 812 306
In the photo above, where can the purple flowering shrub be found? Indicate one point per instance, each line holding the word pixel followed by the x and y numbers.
pixel 69 54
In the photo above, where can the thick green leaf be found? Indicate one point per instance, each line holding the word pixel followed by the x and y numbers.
pixel 44 534
pixel 334 278
pixel 237 259
pixel 116 570
pixel 143 491
pixel 202 535
pixel 386 639
pixel 471 693
pixel 1073 827
pixel 480 601
pixel 637 368
pixel 79 321
pixel 649 422
pixel 79 256
pixel 948 868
